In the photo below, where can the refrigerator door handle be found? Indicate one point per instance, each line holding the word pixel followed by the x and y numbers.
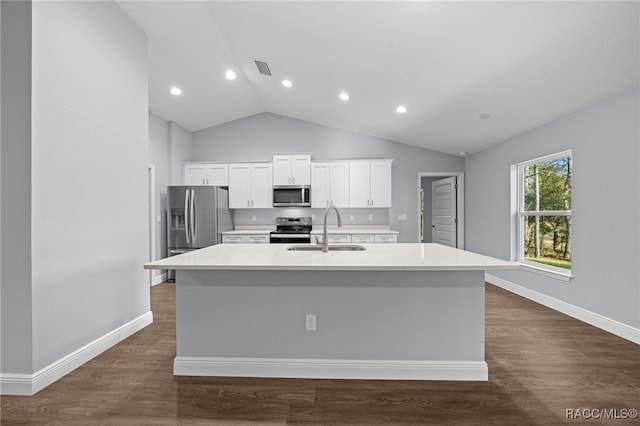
pixel 186 215
pixel 192 220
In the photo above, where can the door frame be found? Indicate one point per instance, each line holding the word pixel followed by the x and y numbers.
pixel 459 201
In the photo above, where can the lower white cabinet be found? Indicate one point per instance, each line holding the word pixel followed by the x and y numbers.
pixel 246 239
pixel 386 238
pixel 332 238
pixel 356 238
pixel 362 238
pixel 339 238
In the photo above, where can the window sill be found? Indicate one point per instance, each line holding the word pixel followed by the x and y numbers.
pixel 562 276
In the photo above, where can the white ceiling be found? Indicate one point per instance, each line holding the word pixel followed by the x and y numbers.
pixel 524 63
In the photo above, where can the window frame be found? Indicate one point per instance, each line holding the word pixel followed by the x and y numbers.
pixel 519 214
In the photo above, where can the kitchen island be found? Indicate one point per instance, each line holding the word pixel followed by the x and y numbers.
pixel 392 311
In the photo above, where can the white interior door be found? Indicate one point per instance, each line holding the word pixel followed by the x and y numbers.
pixel 444 212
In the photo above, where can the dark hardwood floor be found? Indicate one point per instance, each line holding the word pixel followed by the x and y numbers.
pixel 541 363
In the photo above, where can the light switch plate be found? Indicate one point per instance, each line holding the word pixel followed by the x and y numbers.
pixel 402 217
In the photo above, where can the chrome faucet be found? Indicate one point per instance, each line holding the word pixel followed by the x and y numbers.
pixel 325 241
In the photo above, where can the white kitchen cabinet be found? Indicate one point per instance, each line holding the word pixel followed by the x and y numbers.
pixel 215 174
pixel 258 239
pixel 292 169
pixel 332 238
pixel 355 238
pixel 370 183
pixel 246 239
pixel 362 238
pixel 233 239
pixel 386 238
pixel 250 185
pixel 193 174
pixel 338 238
pixel 359 184
pixel 330 183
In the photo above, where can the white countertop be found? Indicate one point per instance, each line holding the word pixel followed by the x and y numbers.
pixel 377 257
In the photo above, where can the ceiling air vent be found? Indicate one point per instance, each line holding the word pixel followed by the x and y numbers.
pixel 263 67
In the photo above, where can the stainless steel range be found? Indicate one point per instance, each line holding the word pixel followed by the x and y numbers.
pixel 292 230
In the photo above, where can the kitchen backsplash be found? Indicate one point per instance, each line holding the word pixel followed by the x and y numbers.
pixel 268 216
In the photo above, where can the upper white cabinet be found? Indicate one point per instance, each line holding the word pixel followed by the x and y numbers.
pixel 292 169
pixel 250 185
pixel 370 183
pixel 330 183
pixel 216 174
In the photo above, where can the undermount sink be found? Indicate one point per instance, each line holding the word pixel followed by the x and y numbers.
pixel 312 247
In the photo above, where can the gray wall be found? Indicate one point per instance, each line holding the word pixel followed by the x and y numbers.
pixel 88 168
pixel 181 150
pixel 159 150
pixel 606 193
pixel 258 137
pixel 15 279
pixel 89 189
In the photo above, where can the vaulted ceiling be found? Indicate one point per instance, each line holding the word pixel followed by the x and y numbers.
pixel 471 74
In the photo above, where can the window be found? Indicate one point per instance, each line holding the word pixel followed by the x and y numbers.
pixel 544 213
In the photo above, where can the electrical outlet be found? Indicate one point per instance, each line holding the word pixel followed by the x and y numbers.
pixel 350 218
pixel 253 218
pixel 158 219
pixel 370 218
pixel 313 217
pixel 311 323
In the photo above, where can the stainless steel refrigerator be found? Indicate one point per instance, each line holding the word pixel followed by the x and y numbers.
pixel 197 216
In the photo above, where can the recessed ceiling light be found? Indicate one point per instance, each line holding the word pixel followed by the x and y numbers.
pixel 484 115
pixel 175 91
pixel 287 83
pixel 464 153
pixel 230 75
pixel 344 96
pixel 401 109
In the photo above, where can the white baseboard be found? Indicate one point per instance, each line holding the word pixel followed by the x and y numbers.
pixel 607 324
pixel 331 368
pixel 157 279
pixel 30 384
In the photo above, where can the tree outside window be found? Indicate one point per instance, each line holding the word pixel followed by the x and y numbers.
pixel 545 211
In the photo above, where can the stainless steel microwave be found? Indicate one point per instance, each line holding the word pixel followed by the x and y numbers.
pixel 292 196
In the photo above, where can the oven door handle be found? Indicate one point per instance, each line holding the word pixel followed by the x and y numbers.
pixel 290 236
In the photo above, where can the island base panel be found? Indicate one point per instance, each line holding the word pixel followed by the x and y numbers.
pixel 370 324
